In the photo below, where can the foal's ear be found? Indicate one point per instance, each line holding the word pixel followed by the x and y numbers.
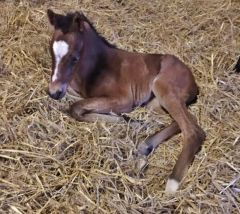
pixel 79 21
pixel 51 17
pixel 54 18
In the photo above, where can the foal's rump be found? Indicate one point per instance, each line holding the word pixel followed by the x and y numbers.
pixel 179 78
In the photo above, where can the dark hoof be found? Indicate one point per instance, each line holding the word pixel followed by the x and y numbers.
pixel 144 149
pixel 141 163
pixel 129 119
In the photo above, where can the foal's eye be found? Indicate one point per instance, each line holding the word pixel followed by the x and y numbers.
pixel 75 59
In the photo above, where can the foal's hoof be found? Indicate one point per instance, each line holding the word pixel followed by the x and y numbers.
pixel 141 163
pixel 172 186
pixel 144 149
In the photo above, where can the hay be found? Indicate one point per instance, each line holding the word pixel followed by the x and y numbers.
pixel 52 164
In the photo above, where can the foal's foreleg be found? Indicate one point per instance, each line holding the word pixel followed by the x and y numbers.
pixel 92 109
pixel 93 117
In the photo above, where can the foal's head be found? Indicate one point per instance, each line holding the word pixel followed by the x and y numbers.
pixel 66 47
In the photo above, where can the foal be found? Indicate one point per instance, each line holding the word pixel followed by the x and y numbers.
pixel 114 80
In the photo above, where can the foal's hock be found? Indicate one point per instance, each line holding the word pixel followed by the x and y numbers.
pixel 114 80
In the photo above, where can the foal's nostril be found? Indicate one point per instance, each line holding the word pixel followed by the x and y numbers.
pixel 57 95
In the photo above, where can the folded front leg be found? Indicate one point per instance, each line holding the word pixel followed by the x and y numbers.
pixel 83 109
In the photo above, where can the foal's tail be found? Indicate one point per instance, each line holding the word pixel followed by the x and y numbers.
pixel 237 66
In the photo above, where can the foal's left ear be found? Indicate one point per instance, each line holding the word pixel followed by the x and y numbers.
pixel 79 21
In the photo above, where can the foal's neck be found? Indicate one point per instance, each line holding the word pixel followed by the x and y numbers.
pixel 94 46
pixel 94 51
pixel 94 58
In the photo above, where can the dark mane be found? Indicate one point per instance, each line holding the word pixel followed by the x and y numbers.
pixel 84 18
pixel 66 21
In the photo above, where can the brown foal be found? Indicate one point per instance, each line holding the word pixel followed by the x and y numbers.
pixel 114 80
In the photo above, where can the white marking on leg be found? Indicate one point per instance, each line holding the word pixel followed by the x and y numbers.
pixel 172 186
pixel 60 49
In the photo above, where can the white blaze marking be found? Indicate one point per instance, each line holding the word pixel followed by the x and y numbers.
pixel 172 186
pixel 60 49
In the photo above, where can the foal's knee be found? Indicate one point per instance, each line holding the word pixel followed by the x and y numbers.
pixel 76 111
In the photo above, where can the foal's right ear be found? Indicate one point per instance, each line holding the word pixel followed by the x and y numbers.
pixel 51 16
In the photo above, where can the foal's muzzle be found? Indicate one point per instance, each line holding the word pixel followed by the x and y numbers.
pixel 57 95
pixel 57 90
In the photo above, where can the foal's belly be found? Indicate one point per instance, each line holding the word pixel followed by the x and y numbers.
pixel 142 95
pixel 144 101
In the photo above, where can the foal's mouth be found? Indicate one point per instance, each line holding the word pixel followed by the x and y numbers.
pixel 57 95
pixel 56 92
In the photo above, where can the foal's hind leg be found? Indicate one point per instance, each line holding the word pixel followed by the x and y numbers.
pixel 193 135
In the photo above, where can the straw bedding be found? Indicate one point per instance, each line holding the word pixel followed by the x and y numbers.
pixel 51 163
